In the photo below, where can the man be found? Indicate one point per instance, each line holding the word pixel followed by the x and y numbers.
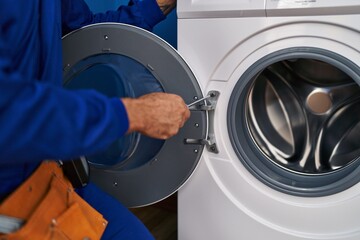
pixel 40 120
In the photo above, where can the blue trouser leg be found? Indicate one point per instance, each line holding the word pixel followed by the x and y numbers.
pixel 122 223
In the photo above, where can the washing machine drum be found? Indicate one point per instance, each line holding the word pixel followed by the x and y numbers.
pixel 120 60
pixel 297 120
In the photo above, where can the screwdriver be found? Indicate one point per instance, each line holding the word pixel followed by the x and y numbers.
pixel 199 100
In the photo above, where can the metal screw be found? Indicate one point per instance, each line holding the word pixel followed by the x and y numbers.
pixel 67 66
pixel 115 184
pixel 195 98
pixel 106 37
pixel 196 151
pixel 154 161
pixel 53 222
pixel 197 125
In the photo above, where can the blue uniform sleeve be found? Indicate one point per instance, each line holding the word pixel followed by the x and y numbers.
pixel 39 120
pixel 141 13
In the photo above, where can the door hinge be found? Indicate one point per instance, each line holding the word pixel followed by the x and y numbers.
pixel 207 104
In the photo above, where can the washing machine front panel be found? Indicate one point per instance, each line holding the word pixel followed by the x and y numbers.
pixel 120 60
pixel 328 39
pixel 299 45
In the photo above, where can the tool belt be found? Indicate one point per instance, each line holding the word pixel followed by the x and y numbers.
pixel 51 209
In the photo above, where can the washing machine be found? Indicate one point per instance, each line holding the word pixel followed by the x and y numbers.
pixel 286 125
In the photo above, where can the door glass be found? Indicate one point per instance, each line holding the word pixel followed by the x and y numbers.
pixel 116 75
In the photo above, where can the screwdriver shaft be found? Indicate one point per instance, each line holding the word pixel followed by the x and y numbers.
pixel 199 100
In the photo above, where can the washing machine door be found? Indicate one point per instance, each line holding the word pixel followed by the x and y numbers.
pixel 120 60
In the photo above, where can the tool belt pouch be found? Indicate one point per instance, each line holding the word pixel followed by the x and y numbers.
pixel 51 209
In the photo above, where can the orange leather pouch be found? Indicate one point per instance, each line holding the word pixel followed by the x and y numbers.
pixel 51 209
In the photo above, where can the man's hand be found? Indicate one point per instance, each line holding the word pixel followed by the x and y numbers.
pixel 157 115
pixel 166 5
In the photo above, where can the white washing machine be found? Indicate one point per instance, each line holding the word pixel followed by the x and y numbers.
pixel 286 126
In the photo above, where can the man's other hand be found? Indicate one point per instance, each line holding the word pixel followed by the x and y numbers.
pixel 166 5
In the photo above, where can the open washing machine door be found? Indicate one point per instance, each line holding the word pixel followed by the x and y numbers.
pixel 120 60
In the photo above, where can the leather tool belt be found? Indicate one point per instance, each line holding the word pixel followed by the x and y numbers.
pixel 51 209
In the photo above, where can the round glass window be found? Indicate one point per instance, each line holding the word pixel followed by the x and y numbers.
pixel 116 75
pixel 301 115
